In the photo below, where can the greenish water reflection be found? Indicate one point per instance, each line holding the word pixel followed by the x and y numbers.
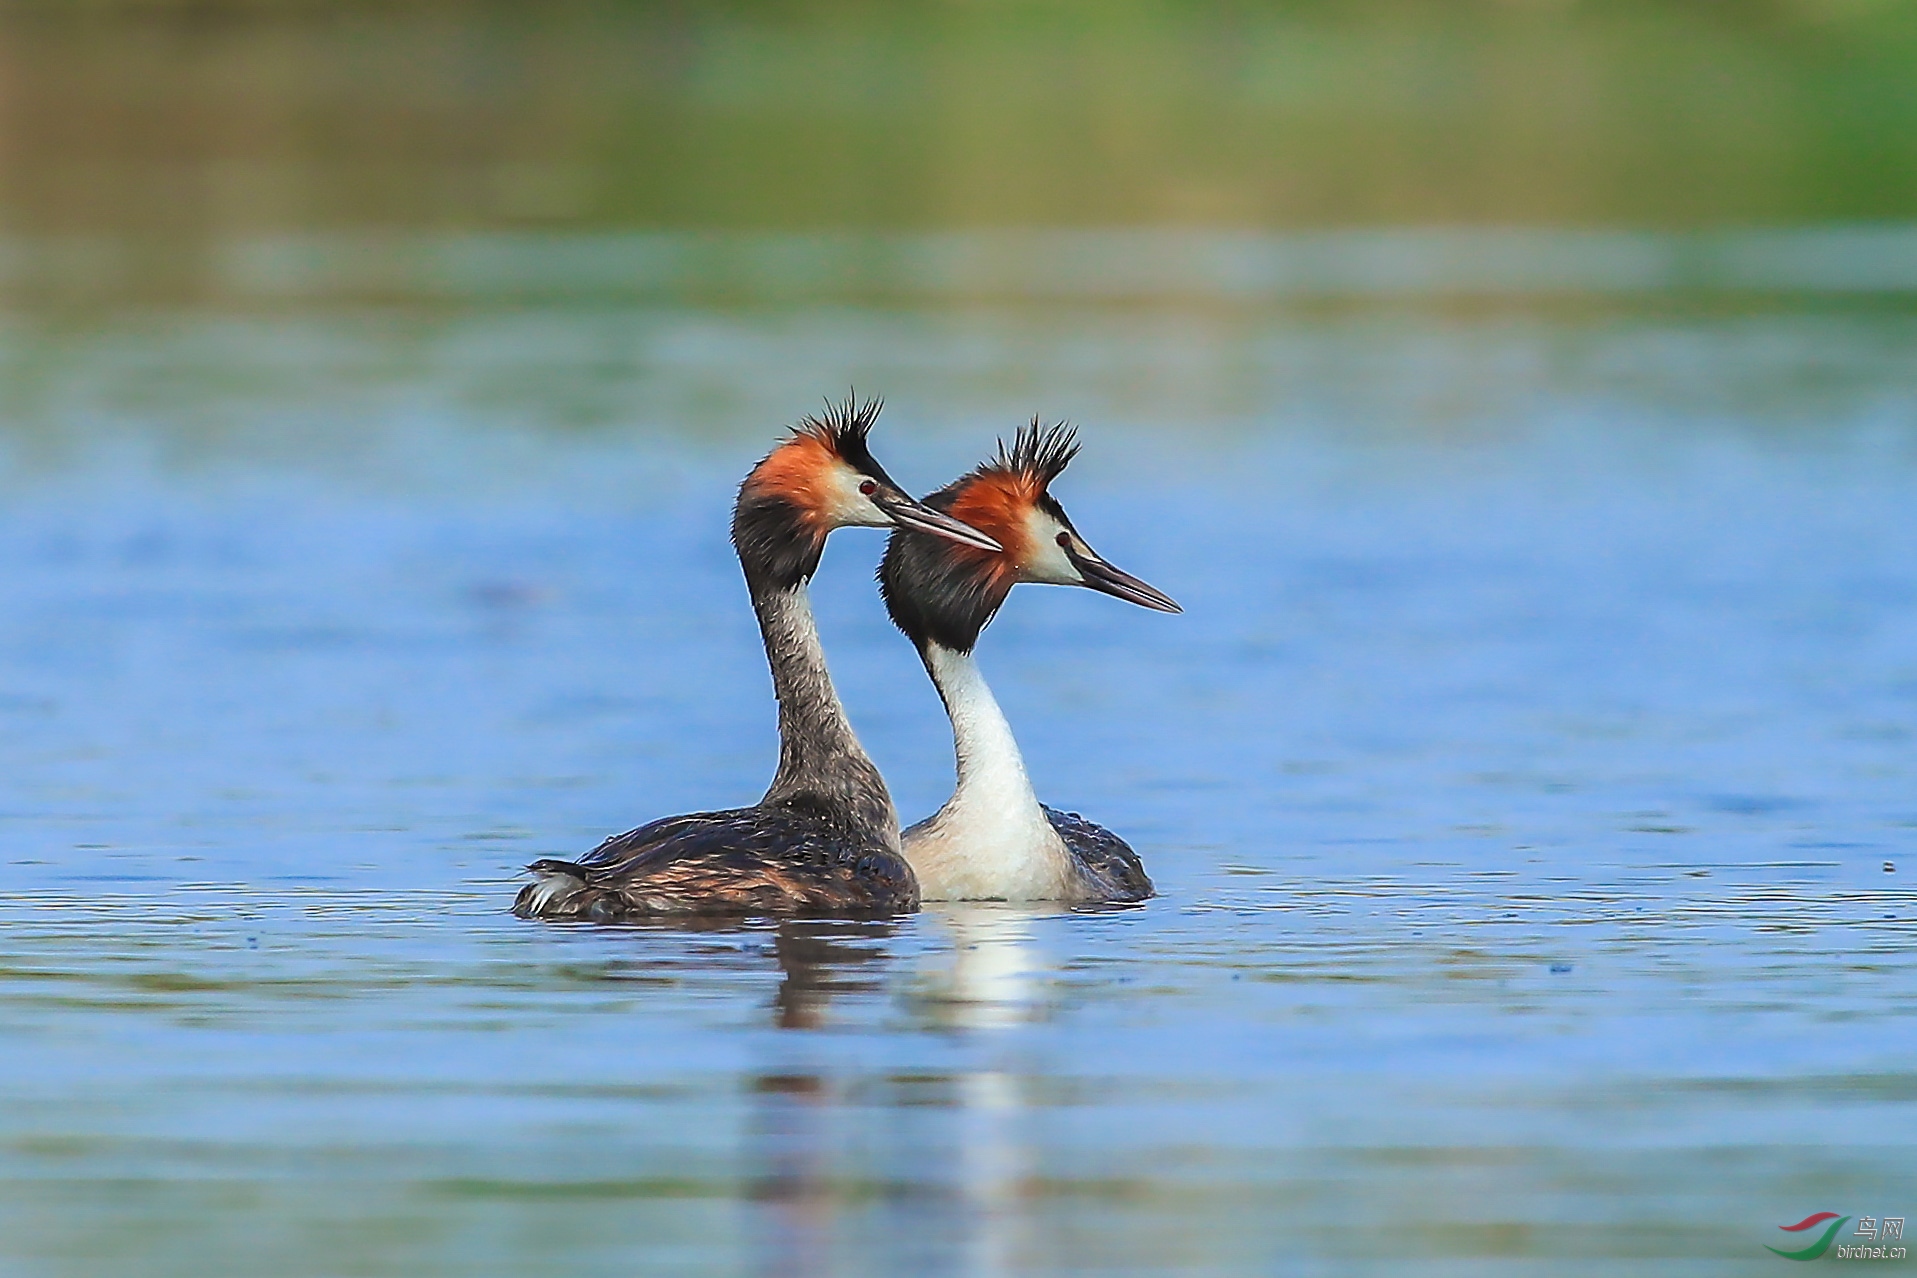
pixel 201 121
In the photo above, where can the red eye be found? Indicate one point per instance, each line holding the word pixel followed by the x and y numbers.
pixel 869 487
pixel 1065 540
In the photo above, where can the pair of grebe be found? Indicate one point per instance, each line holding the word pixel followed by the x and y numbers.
pixel 825 839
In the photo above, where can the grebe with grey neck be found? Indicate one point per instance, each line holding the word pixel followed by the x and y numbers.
pixel 825 838
pixel 993 839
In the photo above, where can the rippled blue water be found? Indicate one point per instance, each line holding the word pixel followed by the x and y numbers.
pixel 1530 783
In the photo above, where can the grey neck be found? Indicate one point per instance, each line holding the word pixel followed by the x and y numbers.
pixel 821 763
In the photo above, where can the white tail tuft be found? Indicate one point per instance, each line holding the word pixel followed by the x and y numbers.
pixel 554 882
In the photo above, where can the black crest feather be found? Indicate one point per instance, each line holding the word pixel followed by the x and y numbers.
pixel 844 427
pixel 776 543
pixel 1039 453
pixel 938 596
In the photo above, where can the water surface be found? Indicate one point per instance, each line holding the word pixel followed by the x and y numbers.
pixel 1529 783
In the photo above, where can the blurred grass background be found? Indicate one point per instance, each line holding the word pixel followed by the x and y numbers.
pixel 208 118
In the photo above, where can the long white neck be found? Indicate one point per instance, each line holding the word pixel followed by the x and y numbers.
pixel 991 840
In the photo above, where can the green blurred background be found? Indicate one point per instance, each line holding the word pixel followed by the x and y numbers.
pixel 191 118
pixel 1521 395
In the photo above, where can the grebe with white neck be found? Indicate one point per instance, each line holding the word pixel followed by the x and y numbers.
pixel 993 839
pixel 825 838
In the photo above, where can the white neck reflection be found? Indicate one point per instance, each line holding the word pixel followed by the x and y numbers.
pixel 994 975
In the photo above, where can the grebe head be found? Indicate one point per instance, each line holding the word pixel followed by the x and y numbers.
pixel 947 594
pixel 821 478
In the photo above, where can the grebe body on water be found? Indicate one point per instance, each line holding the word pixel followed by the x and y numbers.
pixel 825 838
pixel 993 839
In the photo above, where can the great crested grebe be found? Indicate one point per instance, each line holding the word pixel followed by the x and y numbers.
pixel 993 839
pixel 825 838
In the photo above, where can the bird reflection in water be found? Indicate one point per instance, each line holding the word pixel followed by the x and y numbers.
pixel 791 1134
pixel 896 1171
pixel 819 958
pixel 991 977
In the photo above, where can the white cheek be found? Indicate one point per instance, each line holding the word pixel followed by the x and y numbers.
pixel 847 507
pixel 1048 564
